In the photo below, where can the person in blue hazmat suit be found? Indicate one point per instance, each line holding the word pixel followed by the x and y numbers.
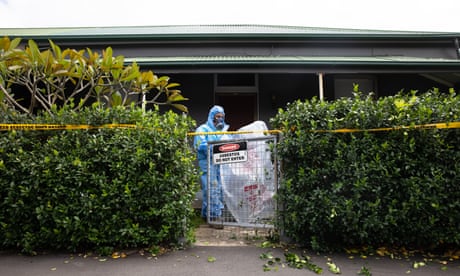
pixel 214 124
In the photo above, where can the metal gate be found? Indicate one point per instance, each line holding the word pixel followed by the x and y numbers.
pixel 242 182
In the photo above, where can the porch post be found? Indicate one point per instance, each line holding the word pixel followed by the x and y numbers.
pixel 321 87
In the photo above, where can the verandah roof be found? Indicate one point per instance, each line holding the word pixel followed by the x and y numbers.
pixel 301 64
pixel 379 60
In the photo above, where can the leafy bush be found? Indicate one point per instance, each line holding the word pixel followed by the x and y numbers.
pixel 96 189
pixel 390 187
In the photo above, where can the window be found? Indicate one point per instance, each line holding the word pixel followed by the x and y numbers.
pixel 343 85
pixel 236 80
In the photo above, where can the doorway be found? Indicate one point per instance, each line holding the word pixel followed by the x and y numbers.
pixel 240 108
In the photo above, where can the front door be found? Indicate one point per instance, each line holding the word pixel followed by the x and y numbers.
pixel 240 108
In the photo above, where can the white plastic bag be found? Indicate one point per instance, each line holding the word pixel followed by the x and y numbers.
pixel 249 186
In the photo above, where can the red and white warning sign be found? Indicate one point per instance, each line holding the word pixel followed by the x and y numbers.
pixel 230 153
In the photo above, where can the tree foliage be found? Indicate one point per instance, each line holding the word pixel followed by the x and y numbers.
pixel 32 79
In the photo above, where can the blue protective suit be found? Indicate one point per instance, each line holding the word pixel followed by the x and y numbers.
pixel 201 143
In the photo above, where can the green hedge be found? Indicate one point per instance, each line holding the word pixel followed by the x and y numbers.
pixel 398 187
pixel 96 189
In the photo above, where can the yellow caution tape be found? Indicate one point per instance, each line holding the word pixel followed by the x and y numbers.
pixel 234 132
pixel 425 126
pixel 8 127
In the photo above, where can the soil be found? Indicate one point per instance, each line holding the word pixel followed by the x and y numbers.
pixel 205 235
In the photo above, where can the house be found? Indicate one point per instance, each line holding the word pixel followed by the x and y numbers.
pixel 252 70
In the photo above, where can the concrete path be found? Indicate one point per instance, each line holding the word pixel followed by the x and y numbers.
pixel 218 252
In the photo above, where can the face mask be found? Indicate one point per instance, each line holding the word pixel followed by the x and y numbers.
pixel 219 123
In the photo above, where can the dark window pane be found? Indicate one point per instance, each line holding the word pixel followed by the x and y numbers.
pixel 236 80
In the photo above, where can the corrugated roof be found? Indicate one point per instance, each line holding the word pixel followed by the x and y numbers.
pixel 186 31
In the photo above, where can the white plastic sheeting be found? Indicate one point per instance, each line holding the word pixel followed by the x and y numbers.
pixel 249 186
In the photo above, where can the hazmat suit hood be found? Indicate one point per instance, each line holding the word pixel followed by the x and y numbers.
pixel 212 112
pixel 207 132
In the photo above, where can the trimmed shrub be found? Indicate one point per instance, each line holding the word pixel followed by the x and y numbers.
pixel 97 189
pixel 395 187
